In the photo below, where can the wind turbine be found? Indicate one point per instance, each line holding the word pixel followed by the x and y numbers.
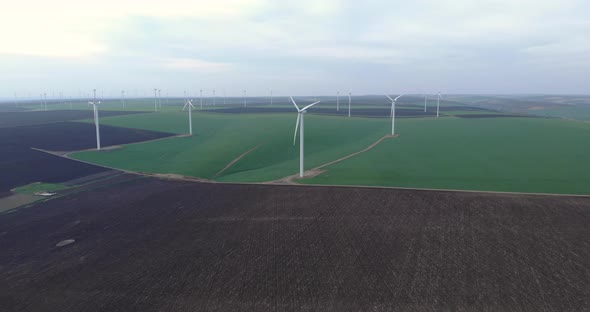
pixel 155 100
pixel 123 98
pixel 425 99
pixel 300 113
pixel 393 101
pixel 271 97
pixel 189 104
pixel 337 101
pixel 349 101
pixel 94 104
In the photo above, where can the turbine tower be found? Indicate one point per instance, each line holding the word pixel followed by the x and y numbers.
pixel 271 97
pixel 349 101
pixel 425 100
pixel 337 101
pixel 189 104
pixel 123 99
pixel 155 100
pixel 393 101
pixel 94 106
pixel 300 113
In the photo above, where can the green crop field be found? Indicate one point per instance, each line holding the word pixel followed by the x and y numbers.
pixel 496 154
pixel 220 138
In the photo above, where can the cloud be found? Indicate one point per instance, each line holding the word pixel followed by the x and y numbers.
pixel 428 41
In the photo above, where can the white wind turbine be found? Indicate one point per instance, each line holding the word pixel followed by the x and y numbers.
pixel 189 104
pixel 155 100
pixel 425 100
pixel 393 101
pixel 94 104
pixel 349 101
pixel 123 99
pixel 337 101
pixel 300 113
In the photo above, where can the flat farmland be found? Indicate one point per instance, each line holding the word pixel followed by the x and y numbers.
pixel 154 245
pixel 21 165
pixel 493 154
pixel 221 138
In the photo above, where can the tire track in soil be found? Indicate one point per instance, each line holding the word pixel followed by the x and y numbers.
pixel 231 163
pixel 317 170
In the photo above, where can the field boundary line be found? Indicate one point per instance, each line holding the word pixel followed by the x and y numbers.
pixel 231 163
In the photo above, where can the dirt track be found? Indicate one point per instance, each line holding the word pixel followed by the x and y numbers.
pixel 153 245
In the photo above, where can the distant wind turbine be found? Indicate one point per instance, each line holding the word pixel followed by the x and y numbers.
pixel 300 113
pixel 94 106
pixel 393 102
pixel 155 100
pixel 425 100
pixel 337 101
pixel 349 101
pixel 123 99
pixel 189 104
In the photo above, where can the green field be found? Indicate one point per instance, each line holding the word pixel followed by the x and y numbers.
pixel 568 112
pixel 494 154
pixel 220 138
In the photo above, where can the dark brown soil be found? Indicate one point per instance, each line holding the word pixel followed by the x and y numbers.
pixel 20 165
pixel 153 245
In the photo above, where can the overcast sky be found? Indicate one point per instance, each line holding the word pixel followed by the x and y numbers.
pixel 295 47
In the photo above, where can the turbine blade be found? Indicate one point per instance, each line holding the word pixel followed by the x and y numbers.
pixel 296 107
pixel 310 105
pixel 389 97
pixel 399 97
pixel 296 126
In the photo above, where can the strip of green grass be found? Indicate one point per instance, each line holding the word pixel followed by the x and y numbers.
pixel 39 187
pixel 496 154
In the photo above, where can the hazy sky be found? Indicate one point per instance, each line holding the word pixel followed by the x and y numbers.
pixel 295 47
